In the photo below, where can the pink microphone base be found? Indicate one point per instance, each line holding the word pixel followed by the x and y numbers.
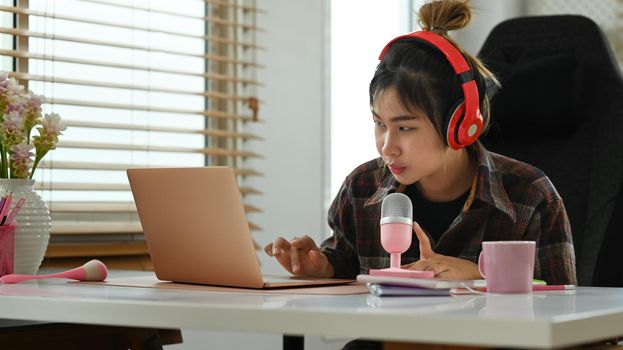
pixel 393 272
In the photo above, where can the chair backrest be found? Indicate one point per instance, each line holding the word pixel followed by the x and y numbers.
pixel 560 109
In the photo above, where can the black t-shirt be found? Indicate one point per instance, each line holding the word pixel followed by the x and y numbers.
pixel 434 217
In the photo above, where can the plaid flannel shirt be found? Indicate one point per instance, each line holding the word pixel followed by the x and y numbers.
pixel 511 200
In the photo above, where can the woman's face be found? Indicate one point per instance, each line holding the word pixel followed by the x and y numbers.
pixel 407 141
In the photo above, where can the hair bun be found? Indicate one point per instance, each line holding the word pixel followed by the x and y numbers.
pixel 441 16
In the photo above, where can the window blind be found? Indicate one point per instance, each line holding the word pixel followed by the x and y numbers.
pixel 139 83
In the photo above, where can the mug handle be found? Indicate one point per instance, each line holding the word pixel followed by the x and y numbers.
pixel 481 264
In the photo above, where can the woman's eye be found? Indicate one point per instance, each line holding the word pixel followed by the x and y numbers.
pixel 404 128
pixel 379 124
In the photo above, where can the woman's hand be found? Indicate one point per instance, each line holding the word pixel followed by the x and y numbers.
pixel 446 267
pixel 300 257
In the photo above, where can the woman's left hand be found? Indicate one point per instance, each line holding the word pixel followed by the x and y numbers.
pixel 446 267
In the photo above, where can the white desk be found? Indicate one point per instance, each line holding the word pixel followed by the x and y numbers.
pixel 531 321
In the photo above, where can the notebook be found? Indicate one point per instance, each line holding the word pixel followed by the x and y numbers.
pixel 196 231
pixel 381 290
pixel 432 283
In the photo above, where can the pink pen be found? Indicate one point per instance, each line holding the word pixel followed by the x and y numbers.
pixel 5 209
pixel 539 287
pixel 3 203
pixel 15 210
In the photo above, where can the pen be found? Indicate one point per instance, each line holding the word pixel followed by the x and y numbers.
pixel 15 210
pixel 538 287
pixel 5 208
pixel 3 201
pixel 535 288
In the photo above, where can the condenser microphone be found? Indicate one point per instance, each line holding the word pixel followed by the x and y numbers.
pixel 396 209
pixel 396 232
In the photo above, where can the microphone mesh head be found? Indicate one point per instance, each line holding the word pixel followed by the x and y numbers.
pixel 397 205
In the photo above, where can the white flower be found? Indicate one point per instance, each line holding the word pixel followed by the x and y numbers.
pixel 33 100
pixel 20 114
pixel 22 152
pixel 50 129
pixel 14 88
pixel 12 121
pixel 11 129
pixel 52 124
pixel 8 86
pixel 21 160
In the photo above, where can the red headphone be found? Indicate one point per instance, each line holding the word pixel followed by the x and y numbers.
pixel 464 122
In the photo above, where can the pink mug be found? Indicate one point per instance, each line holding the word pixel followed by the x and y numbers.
pixel 507 266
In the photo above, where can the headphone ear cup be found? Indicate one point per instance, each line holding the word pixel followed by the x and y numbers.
pixel 453 121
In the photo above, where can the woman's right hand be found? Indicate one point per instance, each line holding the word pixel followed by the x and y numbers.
pixel 301 257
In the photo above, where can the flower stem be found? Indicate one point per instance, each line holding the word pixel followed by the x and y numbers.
pixel 34 166
pixel 4 171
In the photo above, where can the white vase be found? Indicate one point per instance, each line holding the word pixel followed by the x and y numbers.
pixel 33 225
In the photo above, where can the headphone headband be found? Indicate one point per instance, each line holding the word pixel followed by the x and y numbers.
pixel 463 129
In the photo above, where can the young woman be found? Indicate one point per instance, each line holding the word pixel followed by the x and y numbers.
pixel 429 105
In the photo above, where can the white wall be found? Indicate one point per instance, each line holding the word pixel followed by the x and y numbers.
pixel 294 114
pixel 486 15
pixel 354 57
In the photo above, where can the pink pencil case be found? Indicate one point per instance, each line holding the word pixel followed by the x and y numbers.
pixel 7 244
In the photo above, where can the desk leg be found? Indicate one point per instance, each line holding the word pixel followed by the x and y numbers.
pixel 293 342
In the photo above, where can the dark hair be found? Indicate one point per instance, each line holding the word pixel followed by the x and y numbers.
pixel 422 76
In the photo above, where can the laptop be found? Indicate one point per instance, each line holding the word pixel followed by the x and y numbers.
pixel 196 231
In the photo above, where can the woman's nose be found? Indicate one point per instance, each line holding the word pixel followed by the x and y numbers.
pixel 390 147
